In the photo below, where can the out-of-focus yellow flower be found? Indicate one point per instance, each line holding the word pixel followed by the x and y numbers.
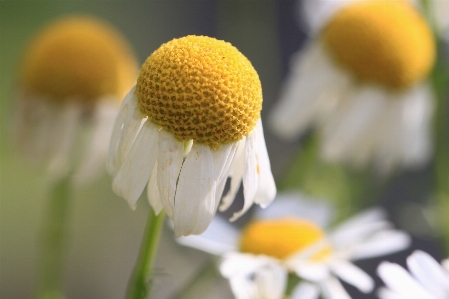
pixel 73 76
pixel 192 121
pixel 288 237
pixel 362 82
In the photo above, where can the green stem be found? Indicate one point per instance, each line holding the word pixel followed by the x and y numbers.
pixel 54 231
pixel 440 80
pixel 140 285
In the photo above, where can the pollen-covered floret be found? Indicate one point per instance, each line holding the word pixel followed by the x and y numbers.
pixel 202 89
pixel 79 58
pixel 387 42
pixel 281 238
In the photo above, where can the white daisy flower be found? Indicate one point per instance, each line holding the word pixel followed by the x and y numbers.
pixel 192 121
pixel 257 260
pixel 73 77
pixel 361 81
pixel 427 279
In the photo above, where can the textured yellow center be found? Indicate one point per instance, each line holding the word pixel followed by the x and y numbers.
pixel 387 42
pixel 282 237
pixel 202 89
pixel 81 58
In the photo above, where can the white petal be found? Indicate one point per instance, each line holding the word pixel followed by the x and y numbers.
pixel 169 162
pixel 305 290
pixel 308 270
pixel 235 263
pixel 385 293
pixel 358 228
pixel 352 275
pixel 64 136
pixel 219 238
pixel 195 201
pixel 121 126
pixel 267 188
pixel 313 83
pixel 236 173
pixel 250 175
pixel 135 172
pixel 429 273
pixel 229 150
pixel 271 281
pixel 332 289
pixel 400 281
pixel 351 131
pixel 297 205
pixel 243 288
pixel 445 264
pixel 382 243
pixel 94 158
pixel 153 196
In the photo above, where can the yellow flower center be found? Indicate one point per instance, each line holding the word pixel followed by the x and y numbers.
pixel 200 89
pixel 282 237
pixel 80 58
pixel 387 42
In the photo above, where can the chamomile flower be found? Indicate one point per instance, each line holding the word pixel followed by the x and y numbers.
pixel 73 76
pixel 427 279
pixel 192 121
pixel 258 259
pixel 361 81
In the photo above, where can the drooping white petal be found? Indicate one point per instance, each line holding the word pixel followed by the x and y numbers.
pixel 267 188
pixel 135 171
pixel 153 196
pixel 313 83
pixel 95 153
pixel 250 175
pixel 399 281
pixel 121 126
pixel 352 275
pixel 64 136
pixel 169 162
pixel 219 238
pixel 429 274
pixel 332 289
pixel 195 200
pixel 382 243
pixel 236 174
pixel 310 271
pixel 353 126
pixel 231 150
pixel 305 290
pixel 416 125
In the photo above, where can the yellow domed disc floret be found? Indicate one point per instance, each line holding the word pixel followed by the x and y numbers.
pixel 81 58
pixel 282 237
pixel 386 42
pixel 202 89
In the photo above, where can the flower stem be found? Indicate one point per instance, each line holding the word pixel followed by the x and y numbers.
pixel 54 231
pixel 140 284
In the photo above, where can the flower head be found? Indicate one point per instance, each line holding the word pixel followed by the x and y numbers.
pixel 427 279
pixel 271 246
pixel 361 81
pixel 388 43
pixel 192 121
pixel 73 75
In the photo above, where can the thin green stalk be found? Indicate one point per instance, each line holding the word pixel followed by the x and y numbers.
pixel 54 232
pixel 140 284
